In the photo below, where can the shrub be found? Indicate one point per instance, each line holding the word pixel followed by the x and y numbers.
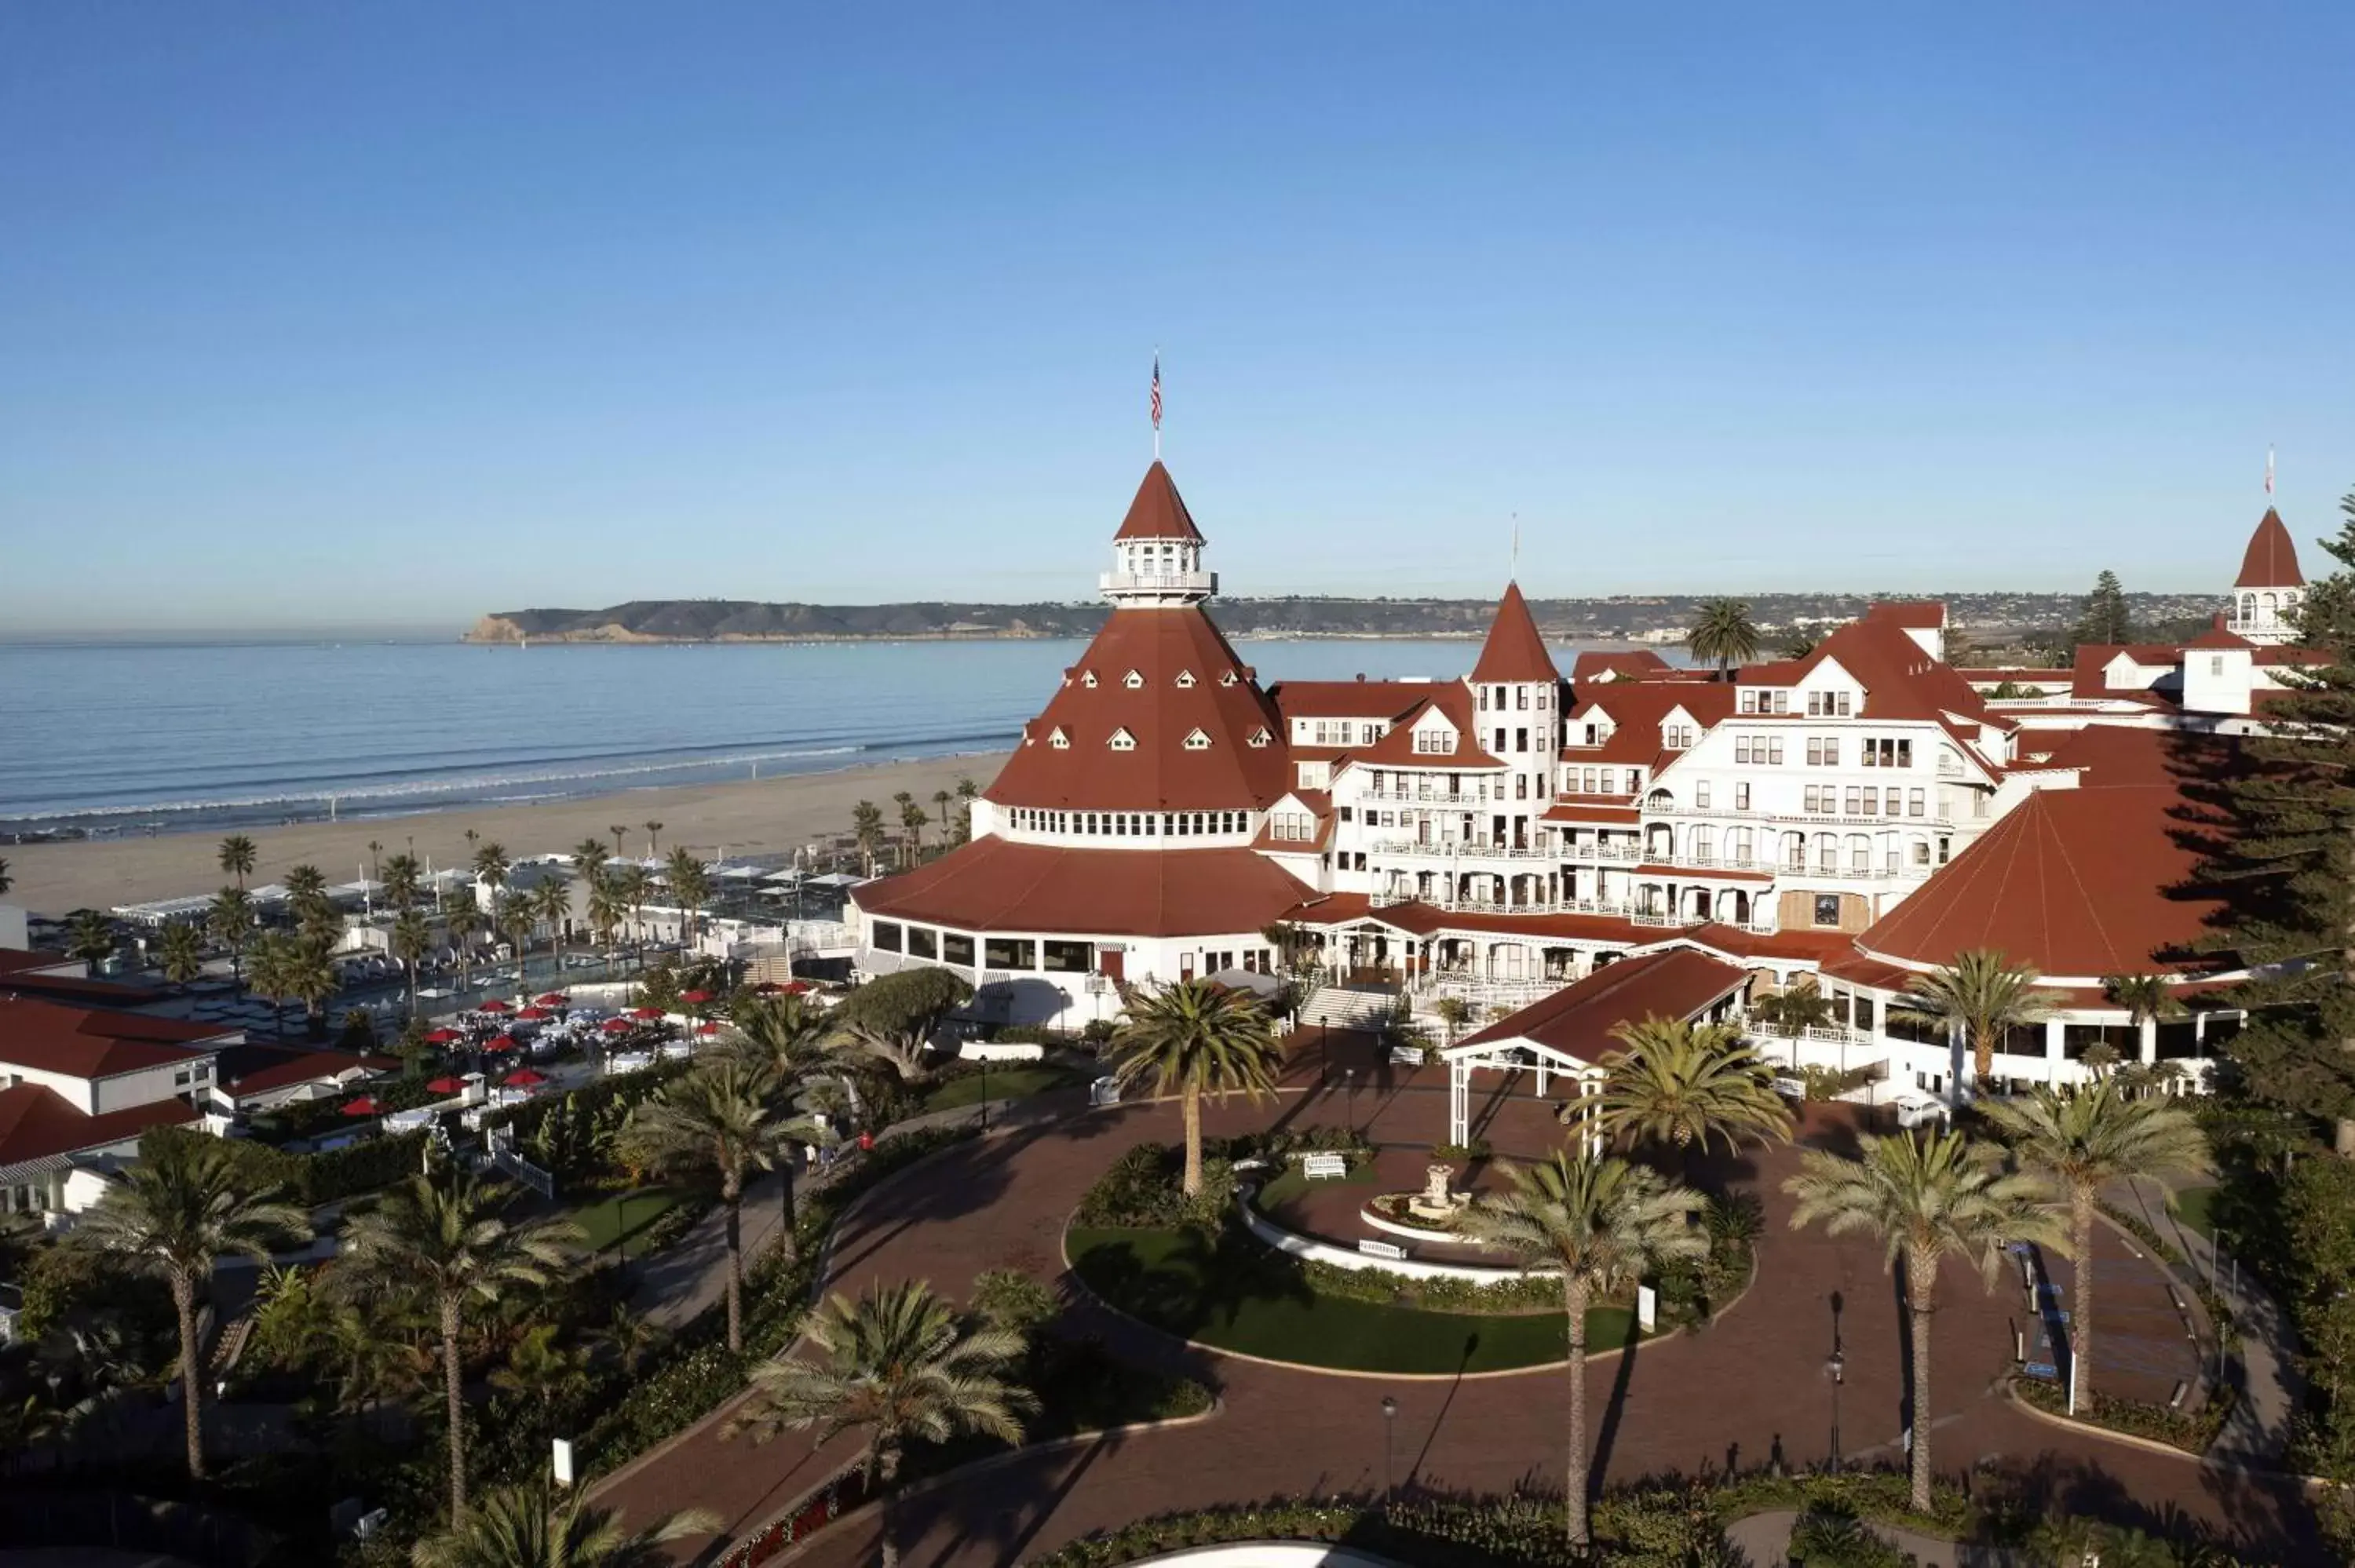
pixel 1143 1191
pixel 1010 1299
pixel 1830 1536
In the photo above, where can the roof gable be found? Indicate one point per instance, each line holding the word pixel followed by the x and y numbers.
pixel 1578 1019
pixel 1514 652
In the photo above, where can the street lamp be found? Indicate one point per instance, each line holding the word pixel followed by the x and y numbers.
pixel 1837 1367
pixel 1349 1083
pixel 1390 1420
pixel 985 1094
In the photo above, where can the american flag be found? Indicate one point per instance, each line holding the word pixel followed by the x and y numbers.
pixel 1157 419
pixel 1156 389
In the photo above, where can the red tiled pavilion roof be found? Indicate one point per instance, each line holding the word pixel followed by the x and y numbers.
pixel 1514 651
pixel 1578 1019
pixel 37 1123
pixel 2271 561
pixel 996 885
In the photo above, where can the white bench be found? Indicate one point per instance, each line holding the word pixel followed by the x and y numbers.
pixel 1319 1167
pixel 1373 1248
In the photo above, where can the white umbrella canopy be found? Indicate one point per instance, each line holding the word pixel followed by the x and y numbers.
pixel 1265 987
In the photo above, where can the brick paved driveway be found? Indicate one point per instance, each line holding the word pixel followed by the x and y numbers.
pixel 1749 1387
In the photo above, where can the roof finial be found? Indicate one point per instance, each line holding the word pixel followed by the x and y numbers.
pixel 1157 402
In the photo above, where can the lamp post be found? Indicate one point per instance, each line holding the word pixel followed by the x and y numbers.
pixel 1349 1084
pixel 1836 1366
pixel 985 1094
pixel 1390 1420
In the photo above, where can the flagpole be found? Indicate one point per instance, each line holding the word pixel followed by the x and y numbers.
pixel 1157 402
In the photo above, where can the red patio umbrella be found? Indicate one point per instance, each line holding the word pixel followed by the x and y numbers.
pixel 500 1043
pixel 617 1026
pixel 495 1005
pixel 443 1037
pixel 647 1014
pixel 525 1079
pixel 445 1086
pixel 767 988
pixel 551 999
pixel 795 988
pixel 363 1105
pixel 533 1015
pixel 694 998
pixel 706 1029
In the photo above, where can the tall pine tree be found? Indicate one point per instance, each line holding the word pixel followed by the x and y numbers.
pixel 2103 618
pixel 2287 872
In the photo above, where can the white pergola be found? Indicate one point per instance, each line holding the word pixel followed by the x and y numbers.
pixel 1512 1054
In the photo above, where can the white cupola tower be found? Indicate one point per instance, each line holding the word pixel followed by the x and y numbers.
pixel 1157 551
pixel 2265 596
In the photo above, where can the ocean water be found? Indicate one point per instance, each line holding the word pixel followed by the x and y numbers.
pixel 136 737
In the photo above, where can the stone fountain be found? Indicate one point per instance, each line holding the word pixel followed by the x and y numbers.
pixel 1435 1202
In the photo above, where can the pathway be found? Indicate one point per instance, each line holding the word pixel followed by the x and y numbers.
pixel 2257 1432
pixel 1750 1386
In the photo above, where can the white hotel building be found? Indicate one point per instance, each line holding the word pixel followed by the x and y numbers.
pixel 1857 814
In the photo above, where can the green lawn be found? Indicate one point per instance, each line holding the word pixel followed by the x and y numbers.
pixel 1291 1184
pixel 1236 1295
pixel 1005 1084
pixel 601 1220
pixel 2196 1207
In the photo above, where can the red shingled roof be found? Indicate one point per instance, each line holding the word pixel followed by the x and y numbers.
pixel 1639 664
pixel 1158 512
pixel 1514 651
pixel 2219 635
pixel 1396 749
pixel 1162 647
pixel 94 1042
pixel 2076 883
pixel 994 884
pixel 2271 561
pixel 1920 613
pixel 1578 1019
pixel 37 1123
pixel 1360 699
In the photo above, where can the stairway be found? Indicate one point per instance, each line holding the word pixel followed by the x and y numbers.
pixel 1349 1007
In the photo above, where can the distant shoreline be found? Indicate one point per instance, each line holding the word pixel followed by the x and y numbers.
pixel 767 816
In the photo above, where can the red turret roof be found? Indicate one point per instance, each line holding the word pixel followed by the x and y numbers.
pixel 2272 558
pixel 1158 512
pixel 1187 681
pixel 992 885
pixel 1514 652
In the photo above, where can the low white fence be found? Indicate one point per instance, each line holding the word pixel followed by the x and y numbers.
pixel 1309 1249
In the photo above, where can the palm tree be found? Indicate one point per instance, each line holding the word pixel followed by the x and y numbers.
pixel 517 917
pixel 1981 993
pixel 717 1120
pixel 404 881
pixel 2146 1000
pixel 237 857
pixel 607 909
pixel 1194 1037
pixel 231 923
pixel 1792 1011
pixel 589 856
pixel 493 868
pixel 310 977
pixel 411 938
pixel 376 870
pixel 691 885
pixel 462 917
pixel 1453 1014
pixel 306 890
pixel 448 1239
pixel 177 1209
pixel 2083 1142
pixel 273 972
pixel 525 1526
pixel 896 1366
pixel 782 1033
pixel 182 948
pixel 1723 634
pixel 1928 1197
pixel 941 800
pixel 90 937
pixel 553 900
pixel 654 841
pixel 1686 1082
pixel 619 832
pixel 1601 1224
pixel 867 830
pixel 913 820
pixel 637 888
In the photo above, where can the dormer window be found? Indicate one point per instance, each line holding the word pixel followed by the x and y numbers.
pixel 1433 742
pixel 1227 679
pixel 1185 680
pixel 1198 741
pixel 1122 741
pixel 1089 680
pixel 1058 740
pixel 1133 680
pixel 1259 738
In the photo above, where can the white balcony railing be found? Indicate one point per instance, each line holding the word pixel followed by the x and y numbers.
pixel 1159 582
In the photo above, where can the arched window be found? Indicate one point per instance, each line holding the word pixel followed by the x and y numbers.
pixel 1828 851
pixel 1859 852
pixel 2272 607
pixel 1702 842
pixel 2248 607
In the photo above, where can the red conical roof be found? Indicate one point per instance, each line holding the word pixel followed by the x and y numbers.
pixel 2272 558
pixel 1187 685
pixel 1514 651
pixel 1158 512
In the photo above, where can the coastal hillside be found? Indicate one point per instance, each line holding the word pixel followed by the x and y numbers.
pixel 1990 616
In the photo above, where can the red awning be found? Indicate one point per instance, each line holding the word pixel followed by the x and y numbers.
pixel 363 1105
pixel 495 1005
pixel 525 1079
pixel 617 1026
pixel 443 1037
pixel 647 1014
pixel 533 1015
pixel 445 1086
pixel 551 999
pixel 500 1043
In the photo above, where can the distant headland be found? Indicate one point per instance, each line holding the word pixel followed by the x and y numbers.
pixel 1650 618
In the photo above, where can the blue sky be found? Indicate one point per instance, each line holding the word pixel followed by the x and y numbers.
pixel 394 314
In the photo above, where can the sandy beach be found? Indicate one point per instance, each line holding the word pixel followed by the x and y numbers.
pixel 766 816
